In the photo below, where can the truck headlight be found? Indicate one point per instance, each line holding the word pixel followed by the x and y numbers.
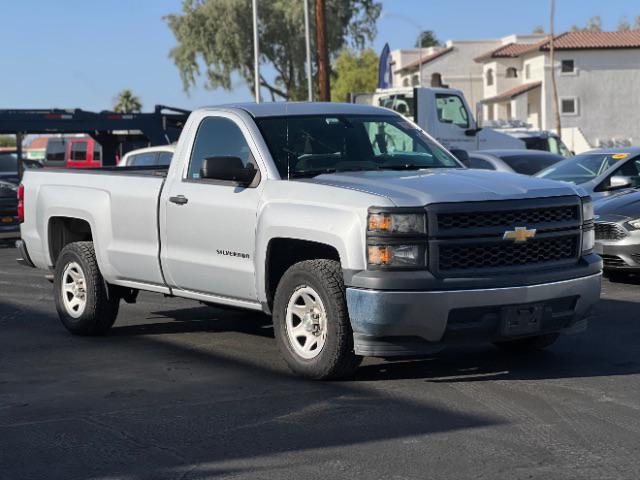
pixel 395 255
pixel 588 239
pixel 390 223
pixel 587 210
pixel 635 223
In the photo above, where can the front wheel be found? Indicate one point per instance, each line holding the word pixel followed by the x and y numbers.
pixel 311 322
pixel 85 303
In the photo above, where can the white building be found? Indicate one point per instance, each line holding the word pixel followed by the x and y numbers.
pixel 598 80
pixel 450 65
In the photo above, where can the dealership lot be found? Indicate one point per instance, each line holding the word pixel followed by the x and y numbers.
pixel 181 390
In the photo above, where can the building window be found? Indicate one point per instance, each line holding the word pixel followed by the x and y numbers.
pixel 567 66
pixel 489 76
pixel 512 72
pixel 527 71
pixel 569 106
pixel 436 80
pixel 415 80
pixel 405 82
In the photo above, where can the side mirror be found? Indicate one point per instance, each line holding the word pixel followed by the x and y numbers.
pixel 461 155
pixel 230 169
pixel 618 181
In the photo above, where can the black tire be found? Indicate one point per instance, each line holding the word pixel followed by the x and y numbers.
pixel 102 303
pixel 529 344
pixel 337 358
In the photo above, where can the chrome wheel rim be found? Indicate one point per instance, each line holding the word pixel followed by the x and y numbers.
pixel 74 293
pixel 306 323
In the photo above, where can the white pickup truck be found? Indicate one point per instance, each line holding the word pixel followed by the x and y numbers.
pixel 358 232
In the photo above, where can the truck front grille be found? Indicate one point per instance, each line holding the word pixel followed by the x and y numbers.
pixel 508 218
pixel 503 254
pixel 609 231
pixel 467 239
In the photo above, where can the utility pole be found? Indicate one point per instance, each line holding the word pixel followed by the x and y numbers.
pixel 420 61
pixel 308 45
pixel 323 52
pixel 552 60
pixel 256 52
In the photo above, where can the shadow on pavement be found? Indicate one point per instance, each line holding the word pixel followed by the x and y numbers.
pixel 147 405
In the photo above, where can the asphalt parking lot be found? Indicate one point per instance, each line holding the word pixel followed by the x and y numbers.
pixel 184 391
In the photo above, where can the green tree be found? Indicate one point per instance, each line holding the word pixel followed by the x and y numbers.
pixel 215 40
pixel 636 25
pixel 538 29
pixel 426 39
pixel 354 72
pixel 7 141
pixel 127 102
pixel 624 25
pixel 594 24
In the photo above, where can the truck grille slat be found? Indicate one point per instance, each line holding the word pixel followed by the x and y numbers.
pixel 502 254
pixel 508 218
pixel 609 231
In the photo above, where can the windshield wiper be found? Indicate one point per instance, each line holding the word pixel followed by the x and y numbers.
pixel 322 171
pixel 403 167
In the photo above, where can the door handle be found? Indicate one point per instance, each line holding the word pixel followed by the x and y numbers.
pixel 179 200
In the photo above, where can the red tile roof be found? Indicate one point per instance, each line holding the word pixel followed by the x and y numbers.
pixel 510 50
pixel 514 92
pixel 595 40
pixel 38 143
pixel 570 41
pixel 425 59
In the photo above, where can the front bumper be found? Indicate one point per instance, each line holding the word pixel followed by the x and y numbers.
pixel 619 256
pixel 393 323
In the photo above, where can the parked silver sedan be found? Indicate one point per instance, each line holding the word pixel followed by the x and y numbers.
pixel 617 229
pixel 526 162
pixel 600 172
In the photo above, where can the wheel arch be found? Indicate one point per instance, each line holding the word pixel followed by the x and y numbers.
pixel 284 252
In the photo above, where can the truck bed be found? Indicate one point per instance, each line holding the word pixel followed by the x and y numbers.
pixel 120 204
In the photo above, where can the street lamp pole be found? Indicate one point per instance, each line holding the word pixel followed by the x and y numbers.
pixel 256 52
pixel 308 45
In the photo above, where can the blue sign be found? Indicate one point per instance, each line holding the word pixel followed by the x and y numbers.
pixel 385 75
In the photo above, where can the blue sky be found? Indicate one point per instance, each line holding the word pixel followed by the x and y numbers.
pixel 80 53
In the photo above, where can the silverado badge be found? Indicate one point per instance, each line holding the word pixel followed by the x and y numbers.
pixel 519 234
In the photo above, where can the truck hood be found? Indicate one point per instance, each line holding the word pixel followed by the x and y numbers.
pixel 422 187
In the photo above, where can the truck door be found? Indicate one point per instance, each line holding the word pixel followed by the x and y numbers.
pixel 210 224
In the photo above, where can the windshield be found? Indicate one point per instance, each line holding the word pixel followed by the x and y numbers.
pixel 583 168
pixel 304 146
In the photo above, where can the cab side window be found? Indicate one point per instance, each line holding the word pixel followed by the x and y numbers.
pixel 217 137
pixel 451 109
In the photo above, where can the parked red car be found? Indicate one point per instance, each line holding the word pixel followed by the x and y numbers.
pixel 83 153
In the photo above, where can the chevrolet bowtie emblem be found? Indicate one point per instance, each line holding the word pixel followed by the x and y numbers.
pixel 519 234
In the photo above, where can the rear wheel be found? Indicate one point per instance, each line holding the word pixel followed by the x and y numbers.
pixel 530 344
pixel 311 322
pixel 85 303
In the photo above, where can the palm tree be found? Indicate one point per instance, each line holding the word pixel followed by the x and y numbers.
pixel 127 102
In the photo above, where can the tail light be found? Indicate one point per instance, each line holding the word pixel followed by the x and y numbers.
pixel 21 203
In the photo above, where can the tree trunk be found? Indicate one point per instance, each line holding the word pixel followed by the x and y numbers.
pixel 324 88
pixel 552 60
